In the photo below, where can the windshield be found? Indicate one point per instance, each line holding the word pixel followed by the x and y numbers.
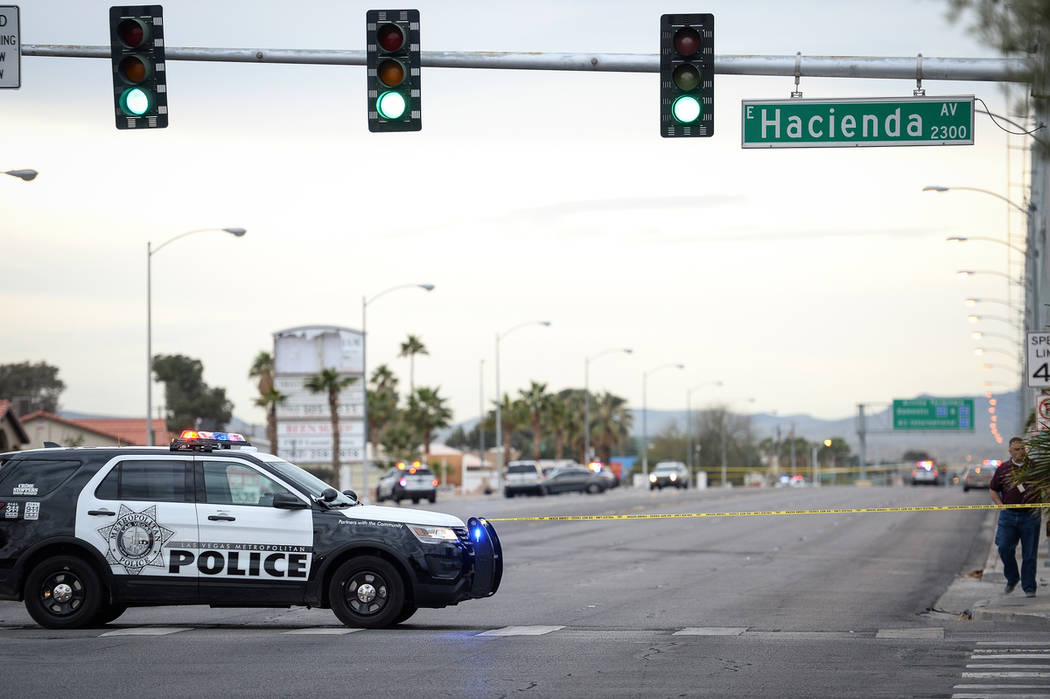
pixel 307 481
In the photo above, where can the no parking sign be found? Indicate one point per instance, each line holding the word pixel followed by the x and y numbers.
pixel 1042 412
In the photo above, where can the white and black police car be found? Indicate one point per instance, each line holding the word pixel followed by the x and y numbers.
pixel 86 532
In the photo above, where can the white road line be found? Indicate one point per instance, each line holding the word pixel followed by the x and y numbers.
pixel 1006 656
pixel 1045 644
pixel 321 631
pixel 146 631
pixel 521 631
pixel 1002 687
pixel 934 633
pixel 1008 666
pixel 1004 675
pixel 999 695
pixel 711 631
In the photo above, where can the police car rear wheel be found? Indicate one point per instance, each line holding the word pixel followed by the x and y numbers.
pixel 406 611
pixel 367 592
pixel 63 592
pixel 107 613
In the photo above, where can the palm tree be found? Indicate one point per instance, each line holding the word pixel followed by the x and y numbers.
pixel 559 419
pixel 382 402
pixel 329 381
pixel 612 424
pixel 269 397
pixel 410 348
pixel 427 411
pixel 514 413
pixel 537 400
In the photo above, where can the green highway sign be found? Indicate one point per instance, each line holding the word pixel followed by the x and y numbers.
pixel 933 414
pixel 845 123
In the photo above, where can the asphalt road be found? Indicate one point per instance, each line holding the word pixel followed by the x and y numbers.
pixel 815 605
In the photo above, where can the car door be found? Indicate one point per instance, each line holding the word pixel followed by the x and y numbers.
pixel 250 551
pixel 139 512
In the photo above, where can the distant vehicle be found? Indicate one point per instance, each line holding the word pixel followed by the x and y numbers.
pixel 523 478
pixel 798 481
pixel 569 479
pixel 980 476
pixel 612 480
pixel 925 473
pixel 668 474
pixel 403 482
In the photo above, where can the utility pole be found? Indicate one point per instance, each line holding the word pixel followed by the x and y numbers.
pixel 862 435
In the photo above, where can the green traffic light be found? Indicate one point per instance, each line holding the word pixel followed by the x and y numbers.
pixel 134 101
pixel 686 109
pixel 391 105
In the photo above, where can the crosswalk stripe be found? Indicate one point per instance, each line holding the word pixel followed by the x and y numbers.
pixel 321 631
pixel 146 631
pixel 521 631
pixel 711 631
pixel 934 633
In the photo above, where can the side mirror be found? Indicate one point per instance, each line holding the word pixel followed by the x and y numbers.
pixel 287 501
pixel 329 494
pixel 351 494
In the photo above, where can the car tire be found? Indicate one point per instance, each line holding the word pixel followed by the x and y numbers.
pixel 966 488
pixel 71 580
pixel 543 490
pixel 367 592
pixel 508 494
pixel 652 487
pixel 415 501
pixel 594 489
pixel 407 610
pixel 108 612
pixel 433 499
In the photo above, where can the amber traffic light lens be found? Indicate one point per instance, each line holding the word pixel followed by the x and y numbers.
pixel 686 77
pixel 686 41
pixel 132 69
pixel 391 73
pixel 390 37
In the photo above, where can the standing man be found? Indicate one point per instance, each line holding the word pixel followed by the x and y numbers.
pixel 1021 524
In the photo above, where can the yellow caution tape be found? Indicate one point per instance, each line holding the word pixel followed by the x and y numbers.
pixel 765 513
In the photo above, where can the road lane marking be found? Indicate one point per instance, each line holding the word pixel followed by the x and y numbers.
pixel 1002 687
pixel 711 631
pixel 146 631
pixel 521 631
pixel 1004 675
pixel 993 692
pixel 933 634
pixel 1044 644
pixel 1008 666
pixel 764 513
pixel 1010 656
pixel 321 631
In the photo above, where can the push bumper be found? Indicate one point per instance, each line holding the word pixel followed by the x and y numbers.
pixel 488 558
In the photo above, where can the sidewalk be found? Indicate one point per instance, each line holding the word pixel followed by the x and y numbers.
pixel 984 598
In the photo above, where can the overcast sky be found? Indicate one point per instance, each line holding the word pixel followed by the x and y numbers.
pixel 809 280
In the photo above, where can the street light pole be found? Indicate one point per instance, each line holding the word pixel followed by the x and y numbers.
pixel 645 414
pixel 499 397
pixel 344 478
pixel 587 396
pixel 151 437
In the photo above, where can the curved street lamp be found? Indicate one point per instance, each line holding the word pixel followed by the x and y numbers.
pixel 939 188
pixel 150 252
pixel 24 175
pixel 963 239
pixel 645 425
pixel 499 397
pixel 979 351
pixel 587 395
pixel 979 334
pixel 977 318
pixel 364 377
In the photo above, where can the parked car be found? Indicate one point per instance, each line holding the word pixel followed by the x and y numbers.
pixel 610 478
pixel 980 476
pixel 403 482
pixel 570 479
pixel 523 478
pixel 669 474
pixel 925 472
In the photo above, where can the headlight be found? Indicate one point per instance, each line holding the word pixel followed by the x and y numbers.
pixel 674 476
pixel 433 535
pixel 652 477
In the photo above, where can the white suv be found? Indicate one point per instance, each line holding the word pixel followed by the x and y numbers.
pixel 523 477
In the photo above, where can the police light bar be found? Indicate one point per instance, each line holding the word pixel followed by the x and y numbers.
pixel 201 440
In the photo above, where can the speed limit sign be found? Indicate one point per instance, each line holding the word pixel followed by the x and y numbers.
pixel 1037 349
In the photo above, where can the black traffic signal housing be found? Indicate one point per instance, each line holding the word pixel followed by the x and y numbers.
pixel 392 41
pixel 140 91
pixel 687 75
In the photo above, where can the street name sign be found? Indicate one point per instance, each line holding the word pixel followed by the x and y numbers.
pixel 10 47
pixel 1037 349
pixel 933 414
pixel 847 123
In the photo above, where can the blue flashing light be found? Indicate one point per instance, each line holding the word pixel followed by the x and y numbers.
pixel 477 533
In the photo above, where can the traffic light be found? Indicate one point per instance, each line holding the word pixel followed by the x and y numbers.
pixel 136 37
pixel 687 75
pixel 392 39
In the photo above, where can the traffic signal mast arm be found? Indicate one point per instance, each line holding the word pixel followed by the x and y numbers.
pixel 890 68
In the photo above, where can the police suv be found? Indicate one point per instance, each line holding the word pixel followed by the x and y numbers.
pixel 87 532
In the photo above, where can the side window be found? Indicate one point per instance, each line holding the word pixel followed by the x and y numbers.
pixel 159 481
pixel 228 483
pixel 31 477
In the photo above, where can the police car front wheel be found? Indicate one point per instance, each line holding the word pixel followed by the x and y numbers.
pixel 367 592
pixel 63 592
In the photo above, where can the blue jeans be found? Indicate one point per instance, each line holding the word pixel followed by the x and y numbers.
pixel 1023 526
